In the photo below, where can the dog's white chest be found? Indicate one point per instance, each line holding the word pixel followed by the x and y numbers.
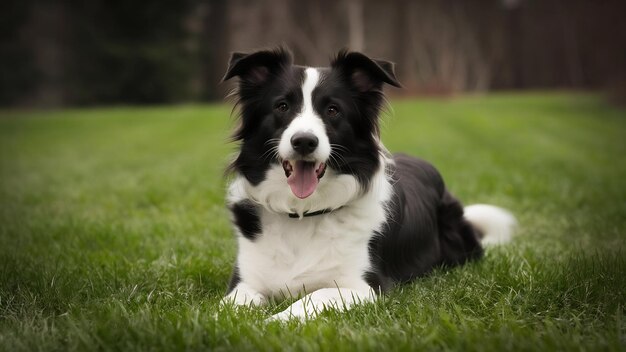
pixel 290 256
pixel 296 255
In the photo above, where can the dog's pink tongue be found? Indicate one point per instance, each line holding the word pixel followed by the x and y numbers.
pixel 303 179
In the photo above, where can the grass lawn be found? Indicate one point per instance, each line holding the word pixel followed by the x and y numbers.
pixel 114 234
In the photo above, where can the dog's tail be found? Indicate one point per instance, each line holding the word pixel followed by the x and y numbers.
pixel 496 225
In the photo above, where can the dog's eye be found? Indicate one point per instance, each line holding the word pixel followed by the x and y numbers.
pixel 282 107
pixel 332 111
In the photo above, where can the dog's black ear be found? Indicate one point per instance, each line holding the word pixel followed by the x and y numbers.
pixel 365 74
pixel 257 67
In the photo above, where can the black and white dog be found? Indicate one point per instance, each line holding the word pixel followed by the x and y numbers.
pixel 320 208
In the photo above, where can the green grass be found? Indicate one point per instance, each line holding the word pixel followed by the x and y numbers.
pixel 114 235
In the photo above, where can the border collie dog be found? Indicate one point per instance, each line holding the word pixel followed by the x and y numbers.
pixel 321 210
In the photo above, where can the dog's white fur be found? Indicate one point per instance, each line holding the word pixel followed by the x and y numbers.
pixel 312 249
pixel 496 224
pixel 306 121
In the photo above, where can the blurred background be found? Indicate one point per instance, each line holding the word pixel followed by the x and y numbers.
pixel 98 52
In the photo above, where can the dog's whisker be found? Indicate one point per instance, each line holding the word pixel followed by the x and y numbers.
pixel 271 153
pixel 339 147
pixel 272 140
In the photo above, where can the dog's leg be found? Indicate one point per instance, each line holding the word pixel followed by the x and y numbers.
pixel 326 298
pixel 242 295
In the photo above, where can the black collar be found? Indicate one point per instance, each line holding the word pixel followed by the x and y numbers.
pixel 313 213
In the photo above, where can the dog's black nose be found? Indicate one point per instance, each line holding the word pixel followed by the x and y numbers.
pixel 304 142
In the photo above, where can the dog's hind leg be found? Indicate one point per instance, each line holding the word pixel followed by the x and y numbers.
pixel 312 304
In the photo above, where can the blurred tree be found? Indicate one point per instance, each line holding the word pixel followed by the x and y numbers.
pixel 213 48
pixel 356 25
pixel 19 75
pixel 129 51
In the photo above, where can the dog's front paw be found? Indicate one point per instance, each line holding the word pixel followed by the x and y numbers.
pixel 243 295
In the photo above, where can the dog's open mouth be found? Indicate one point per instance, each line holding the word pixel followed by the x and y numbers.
pixel 303 176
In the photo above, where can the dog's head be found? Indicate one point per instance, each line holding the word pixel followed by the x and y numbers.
pixel 311 121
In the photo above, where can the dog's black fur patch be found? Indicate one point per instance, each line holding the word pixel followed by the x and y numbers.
pixel 247 219
pixel 425 227
pixel 234 279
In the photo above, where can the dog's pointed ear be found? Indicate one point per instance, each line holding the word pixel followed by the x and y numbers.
pixel 365 74
pixel 257 67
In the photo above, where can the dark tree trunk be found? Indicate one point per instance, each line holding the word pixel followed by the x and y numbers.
pixel 214 49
